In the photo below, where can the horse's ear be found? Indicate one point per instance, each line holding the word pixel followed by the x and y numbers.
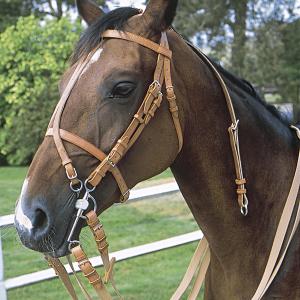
pixel 160 13
pixel 89 10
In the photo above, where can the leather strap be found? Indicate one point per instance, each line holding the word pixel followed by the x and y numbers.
pixel 102 245
pixel 66 161
pixel 171 97
pixel 128 36
pixel 61 272
pixel 90 273
pixel 145 113
pixel 272 267
pixel 233 135
pixel 196 261
pixel 93 150
pixel 150 104
pixel 80 284
pixel 200 276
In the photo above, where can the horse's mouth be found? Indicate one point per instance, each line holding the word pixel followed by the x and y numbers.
pixel 61 251
pixel 63 248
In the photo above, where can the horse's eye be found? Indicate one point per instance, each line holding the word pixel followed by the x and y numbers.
pixel 122 90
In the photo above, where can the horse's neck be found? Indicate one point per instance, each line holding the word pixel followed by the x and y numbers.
pixel 205 173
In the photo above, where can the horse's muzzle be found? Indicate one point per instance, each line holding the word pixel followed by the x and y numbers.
pixel 34 225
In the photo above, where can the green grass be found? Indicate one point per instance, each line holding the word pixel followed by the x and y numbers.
pixel 153 276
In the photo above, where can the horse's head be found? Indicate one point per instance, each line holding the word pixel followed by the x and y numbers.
pixel 100 106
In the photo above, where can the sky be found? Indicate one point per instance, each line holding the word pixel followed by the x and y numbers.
pixel 135 3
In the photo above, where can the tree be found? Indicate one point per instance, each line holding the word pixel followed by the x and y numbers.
pixel 33 57
pixel 272 60
pixel 224 26
pixel 11 10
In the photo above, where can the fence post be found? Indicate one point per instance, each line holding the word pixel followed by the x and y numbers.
pixel 3 295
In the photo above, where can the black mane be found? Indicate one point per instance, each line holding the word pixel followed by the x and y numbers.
pixel 244 85
pixel 91 37
pixel 247 87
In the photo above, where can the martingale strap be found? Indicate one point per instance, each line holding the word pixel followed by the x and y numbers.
pixel 240 180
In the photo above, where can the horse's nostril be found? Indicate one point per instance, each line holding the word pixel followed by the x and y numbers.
pixel 40 219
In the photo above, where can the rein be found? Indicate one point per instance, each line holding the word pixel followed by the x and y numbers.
pixel 108 163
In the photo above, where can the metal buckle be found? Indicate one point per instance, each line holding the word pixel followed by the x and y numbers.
pixel 72 243
pixel 111 162
pixel 244 207
pixel 122 198
pixel 153 85
pixel 235 126
pixel 72 177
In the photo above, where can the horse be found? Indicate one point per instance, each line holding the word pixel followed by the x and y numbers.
pixel 102 104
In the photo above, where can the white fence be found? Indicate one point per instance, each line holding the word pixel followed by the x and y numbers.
pixel 136 195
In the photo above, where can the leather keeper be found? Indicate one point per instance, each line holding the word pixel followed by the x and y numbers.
pixel 173 109
pixel 92 219
pixel 139 118
pixel 241 191
pixel 240 181
pixel 171 98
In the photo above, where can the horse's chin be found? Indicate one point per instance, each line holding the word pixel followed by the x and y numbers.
pixel 63 248
pixel 61 251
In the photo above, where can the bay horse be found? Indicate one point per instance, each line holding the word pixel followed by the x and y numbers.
pixel 102 105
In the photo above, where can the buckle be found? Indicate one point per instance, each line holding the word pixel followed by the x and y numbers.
pixel 155 84
pixel 124 197
pixel 111 162
pixel 72 177
pixel 233 126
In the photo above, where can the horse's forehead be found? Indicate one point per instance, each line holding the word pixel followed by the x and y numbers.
pixel 95 57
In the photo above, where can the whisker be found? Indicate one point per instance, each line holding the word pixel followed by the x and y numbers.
pixel 70 198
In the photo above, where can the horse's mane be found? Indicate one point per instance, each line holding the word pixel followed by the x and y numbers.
pixel 116 19
pixel 245 86
pixel 91 37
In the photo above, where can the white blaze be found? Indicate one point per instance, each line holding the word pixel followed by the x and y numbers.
pixel 93 59
pixel 21 218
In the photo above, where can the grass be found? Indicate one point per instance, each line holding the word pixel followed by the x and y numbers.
pixel 153 276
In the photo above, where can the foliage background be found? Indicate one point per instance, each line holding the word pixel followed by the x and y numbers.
pixel 255 39
pixel 33 59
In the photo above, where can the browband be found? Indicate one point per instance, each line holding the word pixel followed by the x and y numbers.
pixel 128 36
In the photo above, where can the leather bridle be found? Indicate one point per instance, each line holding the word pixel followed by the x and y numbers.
pixel 108 163
pixel 145 113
